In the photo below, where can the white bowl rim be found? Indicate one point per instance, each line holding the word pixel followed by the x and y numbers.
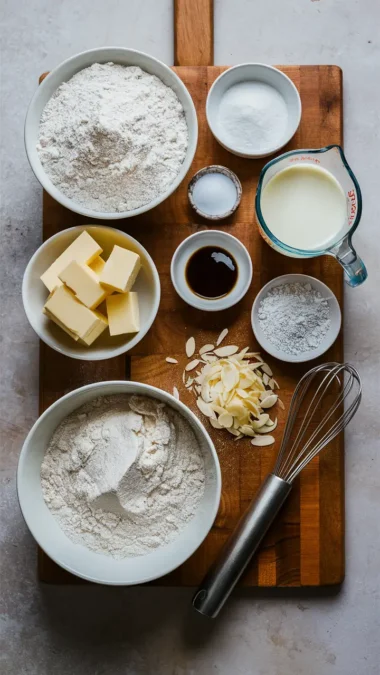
pixel 117 351
pixel 144 389
pixel 192 298
pixel 275 148
pixel 324 346
pixel 70 204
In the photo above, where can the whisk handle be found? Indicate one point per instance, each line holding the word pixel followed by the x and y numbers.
pixel 240 547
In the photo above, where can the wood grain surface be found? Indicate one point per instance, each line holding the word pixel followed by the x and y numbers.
pixel 193 32
pixel 305 547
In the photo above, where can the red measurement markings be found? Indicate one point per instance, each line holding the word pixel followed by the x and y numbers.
pixel 305 158
pixel 352 206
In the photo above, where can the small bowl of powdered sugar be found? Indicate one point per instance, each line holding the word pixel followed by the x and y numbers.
pixel 253 110
pixel 296 318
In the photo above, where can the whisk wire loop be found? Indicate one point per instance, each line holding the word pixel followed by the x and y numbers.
pixel 299 447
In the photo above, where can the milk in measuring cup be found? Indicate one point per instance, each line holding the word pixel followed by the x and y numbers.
pixel 304 206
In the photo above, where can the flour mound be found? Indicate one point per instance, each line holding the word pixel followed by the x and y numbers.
pixel 294 317
pixel 123 475
pixel 113 138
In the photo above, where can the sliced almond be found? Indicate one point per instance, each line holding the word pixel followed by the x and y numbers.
pixel 280 403
pixel 265 368
pixel 265 394
pixel 233 431
pixel 214 423
pixel 190 347
pixel 193 364
pixel 209 358
pixel 169 359
pixel 222 336
pixel 232 390
pixel 254 366
pixel 206 392
pixel 247 430
pixel 269 401
pixel 176 393
pixel 236 407
pixel 260 441
pixel 228 350
pixel 226 420
pixel 240 356
pixel 263 419
pixel 230 377
pixel 205 408
pixel 206 348
pixel 267 428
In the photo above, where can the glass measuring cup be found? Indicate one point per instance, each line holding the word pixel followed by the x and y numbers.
pixel 333 160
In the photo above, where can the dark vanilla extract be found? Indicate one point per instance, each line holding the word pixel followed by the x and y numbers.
pixel 211 272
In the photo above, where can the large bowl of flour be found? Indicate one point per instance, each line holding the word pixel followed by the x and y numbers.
pixel 111 133
pixel 119 482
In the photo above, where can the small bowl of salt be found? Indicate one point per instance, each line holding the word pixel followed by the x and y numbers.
pixel 215 192
pixel 253 110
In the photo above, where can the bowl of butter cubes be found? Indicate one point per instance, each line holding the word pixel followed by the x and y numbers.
pixel 91 292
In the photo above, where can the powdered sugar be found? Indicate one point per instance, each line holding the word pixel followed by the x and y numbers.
pixel 113 138
pixel 294 317
pixel 123 475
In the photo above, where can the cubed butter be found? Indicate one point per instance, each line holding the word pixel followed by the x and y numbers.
pixel 97 265
pixel 55 320
pixel 84 249
pixel 63 307
pixel 84 283
pixel 121 269
pixel 123 313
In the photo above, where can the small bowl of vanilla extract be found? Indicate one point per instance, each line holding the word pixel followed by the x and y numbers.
pixel 211 270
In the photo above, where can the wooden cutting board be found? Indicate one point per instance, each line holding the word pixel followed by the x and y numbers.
pixel 305 547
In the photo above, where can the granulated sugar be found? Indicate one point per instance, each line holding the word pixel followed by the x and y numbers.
pixel 294 318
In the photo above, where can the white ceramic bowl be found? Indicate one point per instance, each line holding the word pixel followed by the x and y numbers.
pixel 78 559
pixel 335 318
pixel 211 238
pixel 35 293
pixel 254 72
pixel 66 70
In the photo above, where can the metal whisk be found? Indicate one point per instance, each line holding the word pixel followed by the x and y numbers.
pixel 323 403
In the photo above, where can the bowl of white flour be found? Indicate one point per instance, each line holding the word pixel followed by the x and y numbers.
pixel 119 482
pixel 110 133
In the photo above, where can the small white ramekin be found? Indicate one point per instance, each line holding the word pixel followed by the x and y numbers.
pixel 211 238
pixel 329 338
pixel 260 72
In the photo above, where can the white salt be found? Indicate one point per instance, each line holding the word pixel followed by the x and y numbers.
pixel 252 117
pixel 214 194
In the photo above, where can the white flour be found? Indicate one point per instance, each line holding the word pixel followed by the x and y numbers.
pixel 123 475
pixel 113 138
pixel 294 318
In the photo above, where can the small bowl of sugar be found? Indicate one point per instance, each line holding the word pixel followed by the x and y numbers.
pixel 215 192
pixel 253 110
pixel 296 318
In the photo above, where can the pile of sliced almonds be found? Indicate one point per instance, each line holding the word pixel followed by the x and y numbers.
pixel 234 389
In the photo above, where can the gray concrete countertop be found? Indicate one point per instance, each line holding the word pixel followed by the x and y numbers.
pixel 146 631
